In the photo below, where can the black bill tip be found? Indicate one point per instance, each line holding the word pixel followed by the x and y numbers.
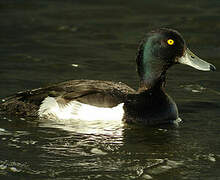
pixel 212 68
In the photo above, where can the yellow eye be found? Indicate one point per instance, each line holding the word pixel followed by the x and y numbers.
pixel 170 41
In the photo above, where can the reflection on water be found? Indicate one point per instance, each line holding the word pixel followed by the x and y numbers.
pixel 43 42
pixel 196 88
pixel 97 127
pixel 125 151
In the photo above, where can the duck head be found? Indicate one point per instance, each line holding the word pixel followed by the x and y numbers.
pixel 161 49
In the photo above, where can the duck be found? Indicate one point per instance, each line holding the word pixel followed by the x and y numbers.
pixel 89 100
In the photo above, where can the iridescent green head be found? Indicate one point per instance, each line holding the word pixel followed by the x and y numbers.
pixel 161 49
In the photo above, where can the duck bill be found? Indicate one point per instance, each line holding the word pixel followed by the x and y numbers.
pixel 194 61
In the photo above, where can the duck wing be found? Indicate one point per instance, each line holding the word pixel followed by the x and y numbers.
pixel 92 92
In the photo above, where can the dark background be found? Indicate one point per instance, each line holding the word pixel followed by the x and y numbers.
pixel 42 41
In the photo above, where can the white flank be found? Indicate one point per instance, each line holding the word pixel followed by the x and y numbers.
pixel 76 110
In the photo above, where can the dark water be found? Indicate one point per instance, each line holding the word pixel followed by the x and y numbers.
pixel 43 42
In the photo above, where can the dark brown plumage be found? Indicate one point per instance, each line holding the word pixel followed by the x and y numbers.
pixel 93 92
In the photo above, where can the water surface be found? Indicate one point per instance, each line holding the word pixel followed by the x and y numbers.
pixel 43 42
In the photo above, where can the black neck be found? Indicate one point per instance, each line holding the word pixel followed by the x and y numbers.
pixel 158 84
